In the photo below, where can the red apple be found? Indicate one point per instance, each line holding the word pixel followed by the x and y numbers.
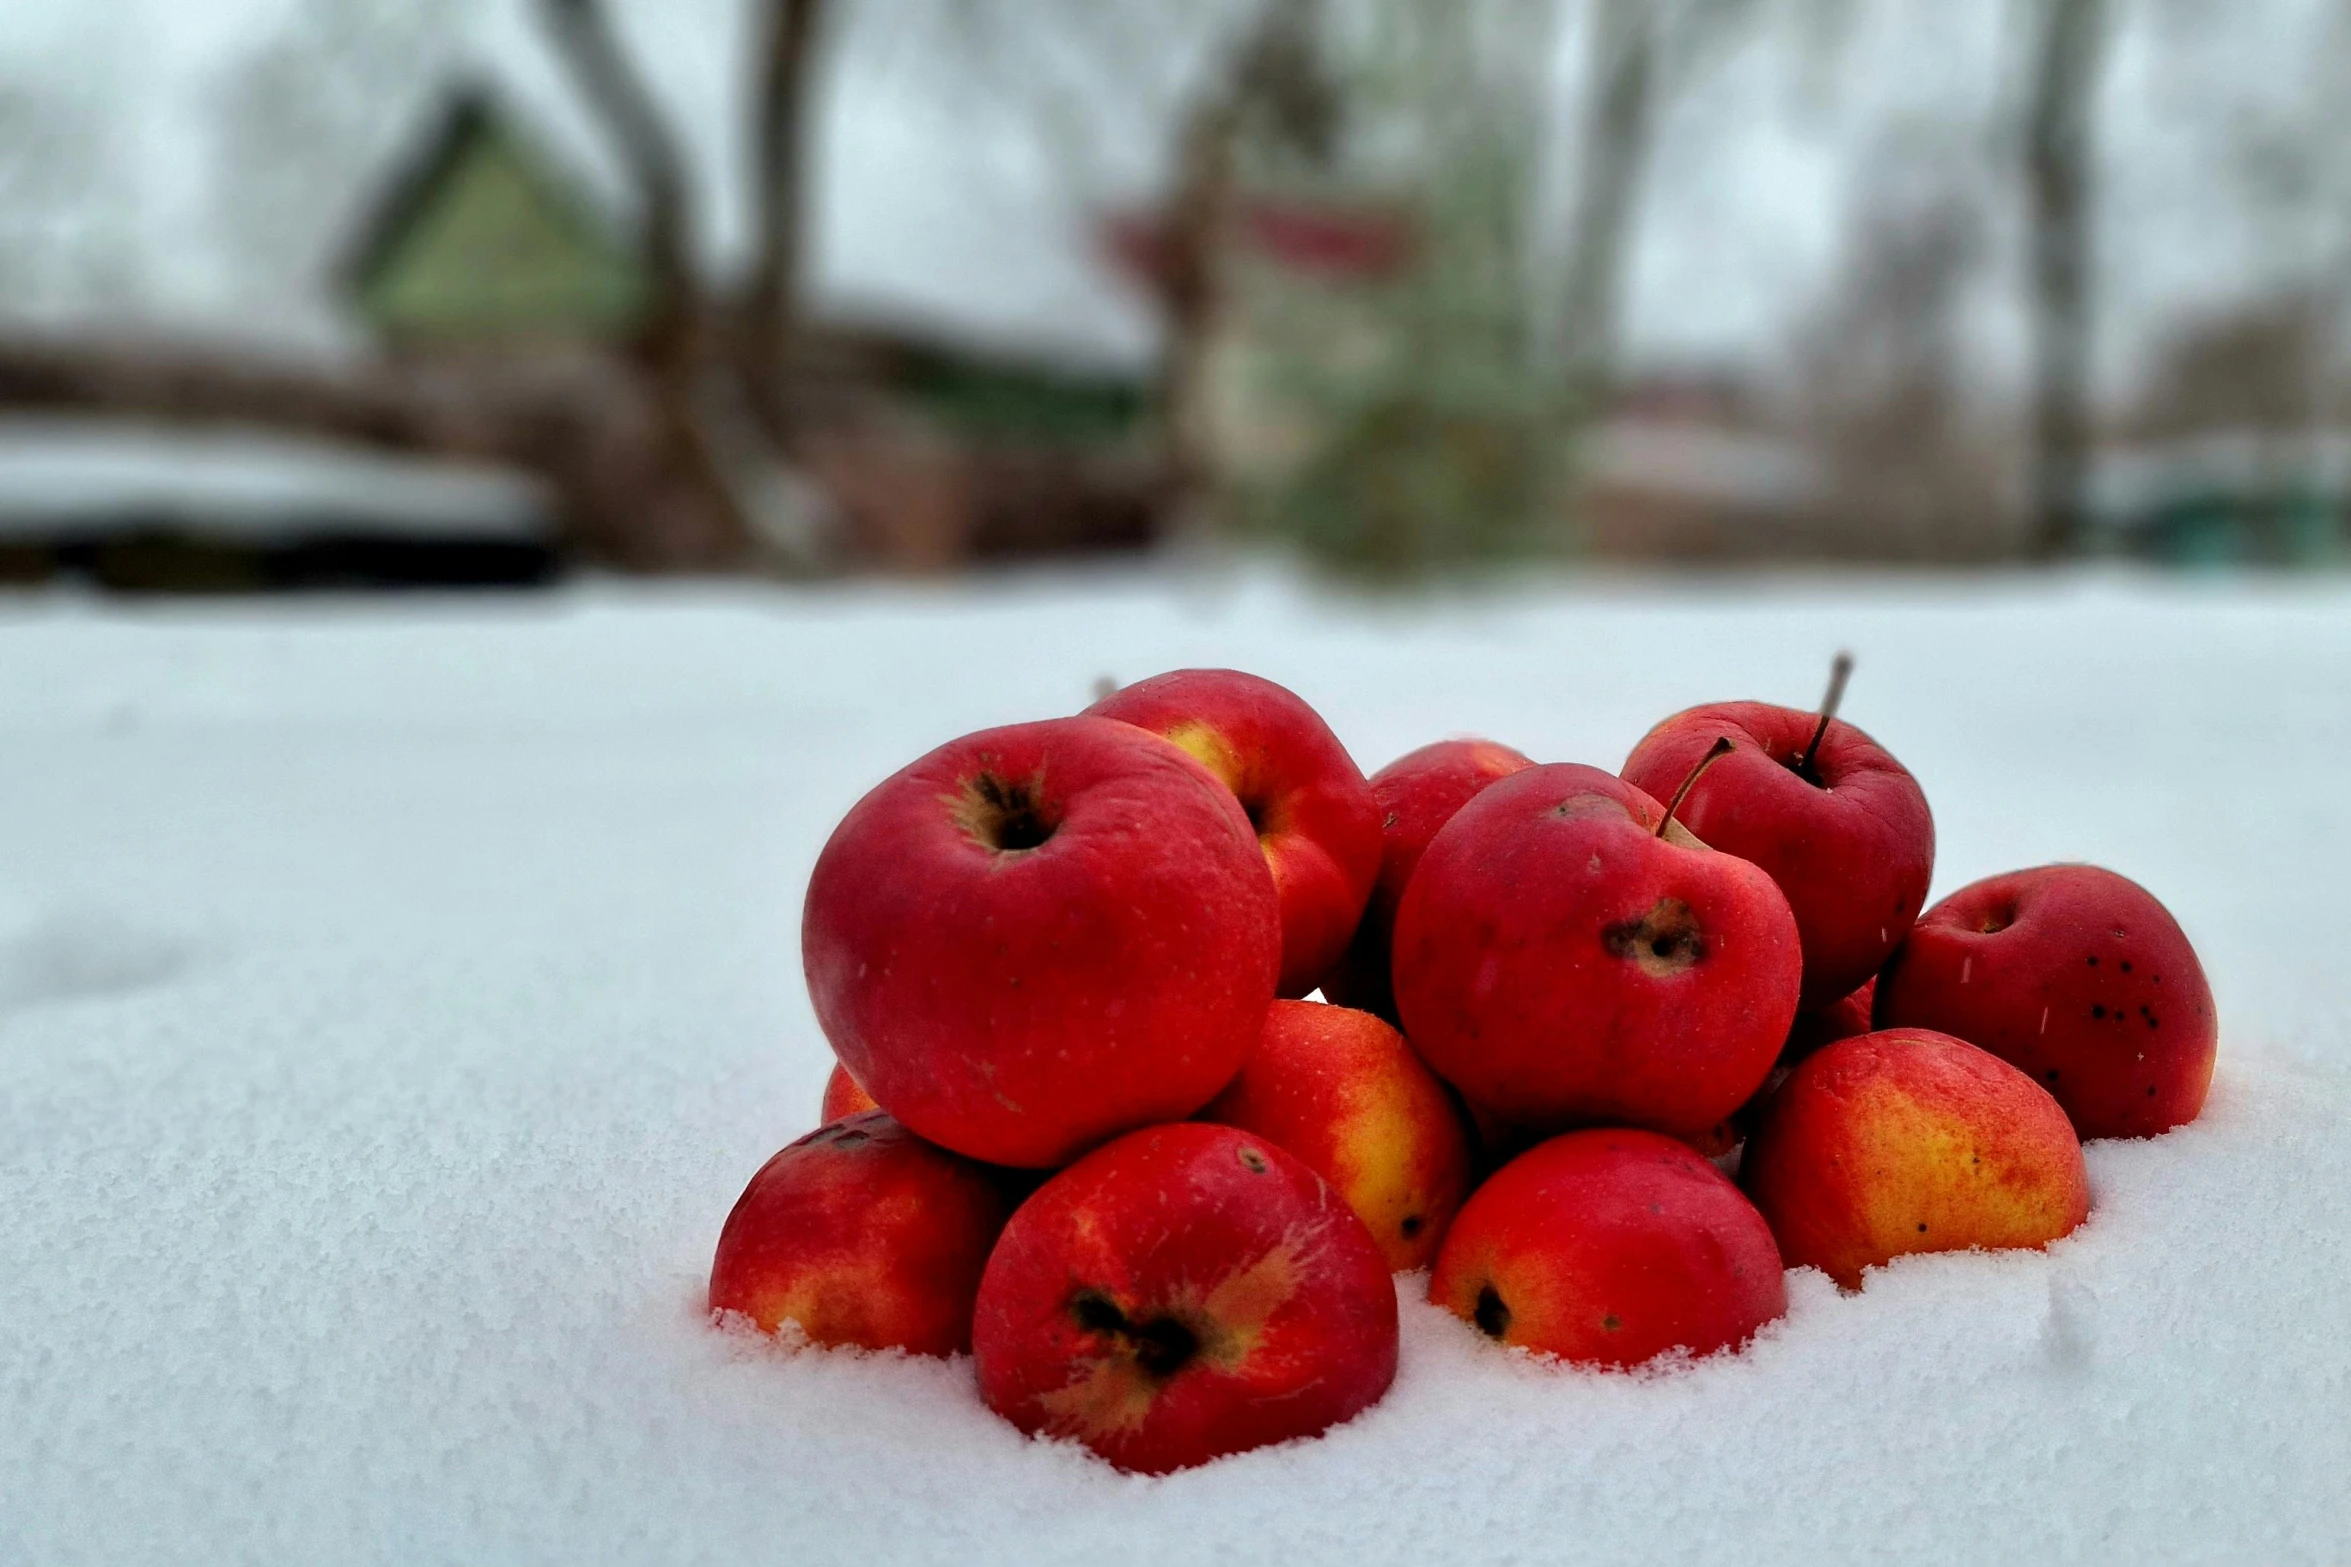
pixel 1610 1247
pixel 1840 825
pixel 1840 1019
pixel 1038 937
pixel 1908 1141
pixel 1343 1091
pixel 843 1098
pixel 1183 1293
pixel 862 1234
pixel 2079 977
pixel 1311 808
pixel 1416 795
pixel 1562 964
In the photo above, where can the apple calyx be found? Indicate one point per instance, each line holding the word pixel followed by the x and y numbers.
pixel 1005 815
pixel 1161 1346
pixel 1721 748
pixel 1839 672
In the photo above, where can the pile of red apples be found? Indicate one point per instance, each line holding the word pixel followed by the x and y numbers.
pixel 1082 1129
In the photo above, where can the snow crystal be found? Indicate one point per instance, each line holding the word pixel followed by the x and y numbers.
pixel 394 999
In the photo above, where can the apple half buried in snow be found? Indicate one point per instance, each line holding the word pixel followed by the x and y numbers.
pixel 1909 1141
pixel 1611 1247
pixel 1182 1293
pixel 862 1234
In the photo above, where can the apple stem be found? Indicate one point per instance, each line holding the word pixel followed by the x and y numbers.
pixel 1721 748
pixel 1839 673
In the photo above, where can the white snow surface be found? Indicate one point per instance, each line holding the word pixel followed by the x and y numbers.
pixel 394 999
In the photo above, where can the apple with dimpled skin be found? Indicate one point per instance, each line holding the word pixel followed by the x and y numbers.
pixel 1839 824
pixel 1909 1141
pixel 1562 964
pixel 1312 811
pixel 1038 937
pixel 862 1234
pixel 1344 1092
pixel 1416 794
pixel 2077 976
pixel 1610 1247
pixel 1182 1293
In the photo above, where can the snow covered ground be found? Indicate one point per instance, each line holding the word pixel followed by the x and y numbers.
pixel 394 998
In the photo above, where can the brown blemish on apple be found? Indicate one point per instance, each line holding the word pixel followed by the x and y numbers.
pixel 1491 1315
pixel 1250 1160
pixel 1664 942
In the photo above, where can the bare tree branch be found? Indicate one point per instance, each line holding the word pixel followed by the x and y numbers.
pixel 780 141
pixel 2060 118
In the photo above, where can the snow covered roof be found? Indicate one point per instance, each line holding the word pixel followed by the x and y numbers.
pixel 57 474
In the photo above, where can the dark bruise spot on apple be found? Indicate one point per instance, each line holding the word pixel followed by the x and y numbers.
pixel 1922 1226
pixel 2097 1010
pixel 1611 1323
pixel 1492 1317
pixel 1251 1160
pixel 1007 816
pixel 1411 1225
pixel 1664 942
pixel 1162 1346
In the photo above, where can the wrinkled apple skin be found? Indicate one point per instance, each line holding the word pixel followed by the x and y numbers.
pixel 1344 1092
pixel 1909 1141
pixel 1311 808
pixel 1563 966
pixel 1610 1247
pixel 1022 1001
pixel 1854 852
pixel 862 1234
pixel 1416 795
pixel 2077 976
pixel 1183 1293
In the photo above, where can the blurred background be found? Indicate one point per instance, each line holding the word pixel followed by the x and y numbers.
pixel 300 293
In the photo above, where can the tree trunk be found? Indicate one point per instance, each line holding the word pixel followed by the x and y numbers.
pixel 672 340
pixel 1619 99
pixel 2058 149
pixel 780 163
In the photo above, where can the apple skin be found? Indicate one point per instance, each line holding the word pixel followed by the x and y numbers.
pixel 1416 794
pixel 843 1098
pixel 1182 1293
pixel 1342 1091
pixel 1906 1141
pixel 1854 854
pixel 1610 1247
pixel 2079 977
pixel 1561 965
pixel 863 1234
pixel 1840 1019
pixel 1311 809
pixel 1022 1004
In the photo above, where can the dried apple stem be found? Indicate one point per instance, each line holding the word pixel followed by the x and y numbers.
pixel 1714 753
pixel 1839 673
